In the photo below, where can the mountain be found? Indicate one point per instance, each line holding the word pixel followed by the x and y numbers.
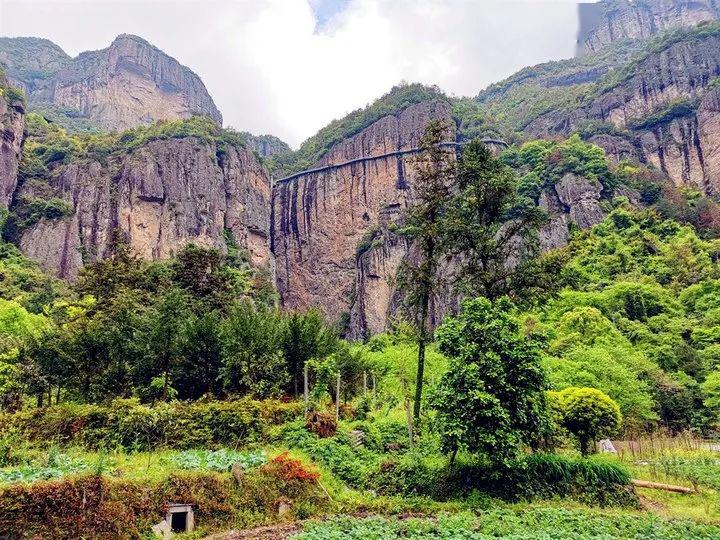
pixel 637 109
pixel 659 108
pixel 609 21
pixel 30 61
pixel 164 186
pixel 127 84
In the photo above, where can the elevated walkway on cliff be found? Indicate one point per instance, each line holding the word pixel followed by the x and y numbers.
pixel 381 156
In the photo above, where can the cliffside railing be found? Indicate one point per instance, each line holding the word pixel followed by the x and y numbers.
pixel 381 156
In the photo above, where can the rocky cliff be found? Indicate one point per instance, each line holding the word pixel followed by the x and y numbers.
pixel 162 196
pixel 610 21
pixel 129 83
pixel 324 221
pixel 658 110
pixel 30 61
pixel 334 226
pixel 12 125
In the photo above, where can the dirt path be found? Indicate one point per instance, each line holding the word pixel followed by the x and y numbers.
pixel 270 532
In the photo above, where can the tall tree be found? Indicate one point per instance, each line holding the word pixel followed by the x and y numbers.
pixel 492 230
pixel 435 172
pixel 492 398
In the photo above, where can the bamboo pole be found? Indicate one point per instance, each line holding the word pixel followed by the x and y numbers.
pixel 337 399
pixel 306 388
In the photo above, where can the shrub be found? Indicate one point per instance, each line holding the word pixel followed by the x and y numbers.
pixel 320 423
pixel 589 414
pixel 128 424
pixel 536 476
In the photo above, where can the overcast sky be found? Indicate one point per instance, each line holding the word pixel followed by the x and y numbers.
pixel 288 67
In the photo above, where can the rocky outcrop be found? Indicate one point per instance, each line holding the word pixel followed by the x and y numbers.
pixel 30 61
pixel 12 125
pixel 610 21
pixel 266 145
pixel 324 222
pixel 162 196
pixel 656 112
pixel 573 200
pixel 127 84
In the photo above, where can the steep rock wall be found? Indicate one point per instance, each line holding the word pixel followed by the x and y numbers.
pixel 12 125
pixel 643 108
pixel 162 196
pixel 127 84
pixel 610 21
pixel 321 220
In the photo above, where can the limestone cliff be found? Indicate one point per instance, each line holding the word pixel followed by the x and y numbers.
pixel 12 124
pixel 334 226
pixel 129 83
pixel 161 196
pixel 610 21
pixel 659 109
pixel 323 221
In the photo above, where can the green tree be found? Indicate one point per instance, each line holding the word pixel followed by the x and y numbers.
pixel 493 231
pixel 492 398
pixel 307 336
pixel 252 351
pixel 418 275
pixel 589 414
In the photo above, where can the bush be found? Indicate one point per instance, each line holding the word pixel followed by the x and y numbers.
pixel 320 423
pixel 128 424
pixel 536 476
pixel 589 414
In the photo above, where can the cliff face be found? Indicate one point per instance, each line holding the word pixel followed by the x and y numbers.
pixel 610 21
pixel 324 221
pixel 162 196
pixel 12 125
pixel 333 229
pixel 661 112
pixel 127 84
pixel 29 61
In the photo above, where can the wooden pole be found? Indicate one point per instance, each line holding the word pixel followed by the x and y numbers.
pixel 665 487
pixel 364 382
pixel 306 388
pixel 337 399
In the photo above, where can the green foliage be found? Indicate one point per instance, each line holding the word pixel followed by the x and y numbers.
pixel 491 399
pixel 522 524
pixel 551 160
pixel 530 477
pixel 589 414
pixel 485 222
pixel 637 319
pixel 217 460
pixel 675 109
pixel 56 465
pixel 696 467
pixel 128 424
pixel 27 212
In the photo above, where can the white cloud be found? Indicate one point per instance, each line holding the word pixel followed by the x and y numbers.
pixel 270 71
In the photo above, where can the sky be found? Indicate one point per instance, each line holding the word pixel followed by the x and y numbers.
pixel 288 67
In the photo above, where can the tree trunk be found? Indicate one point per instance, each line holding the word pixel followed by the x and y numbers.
pixel 422 338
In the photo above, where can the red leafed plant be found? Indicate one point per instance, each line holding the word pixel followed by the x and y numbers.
pixel 290 469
